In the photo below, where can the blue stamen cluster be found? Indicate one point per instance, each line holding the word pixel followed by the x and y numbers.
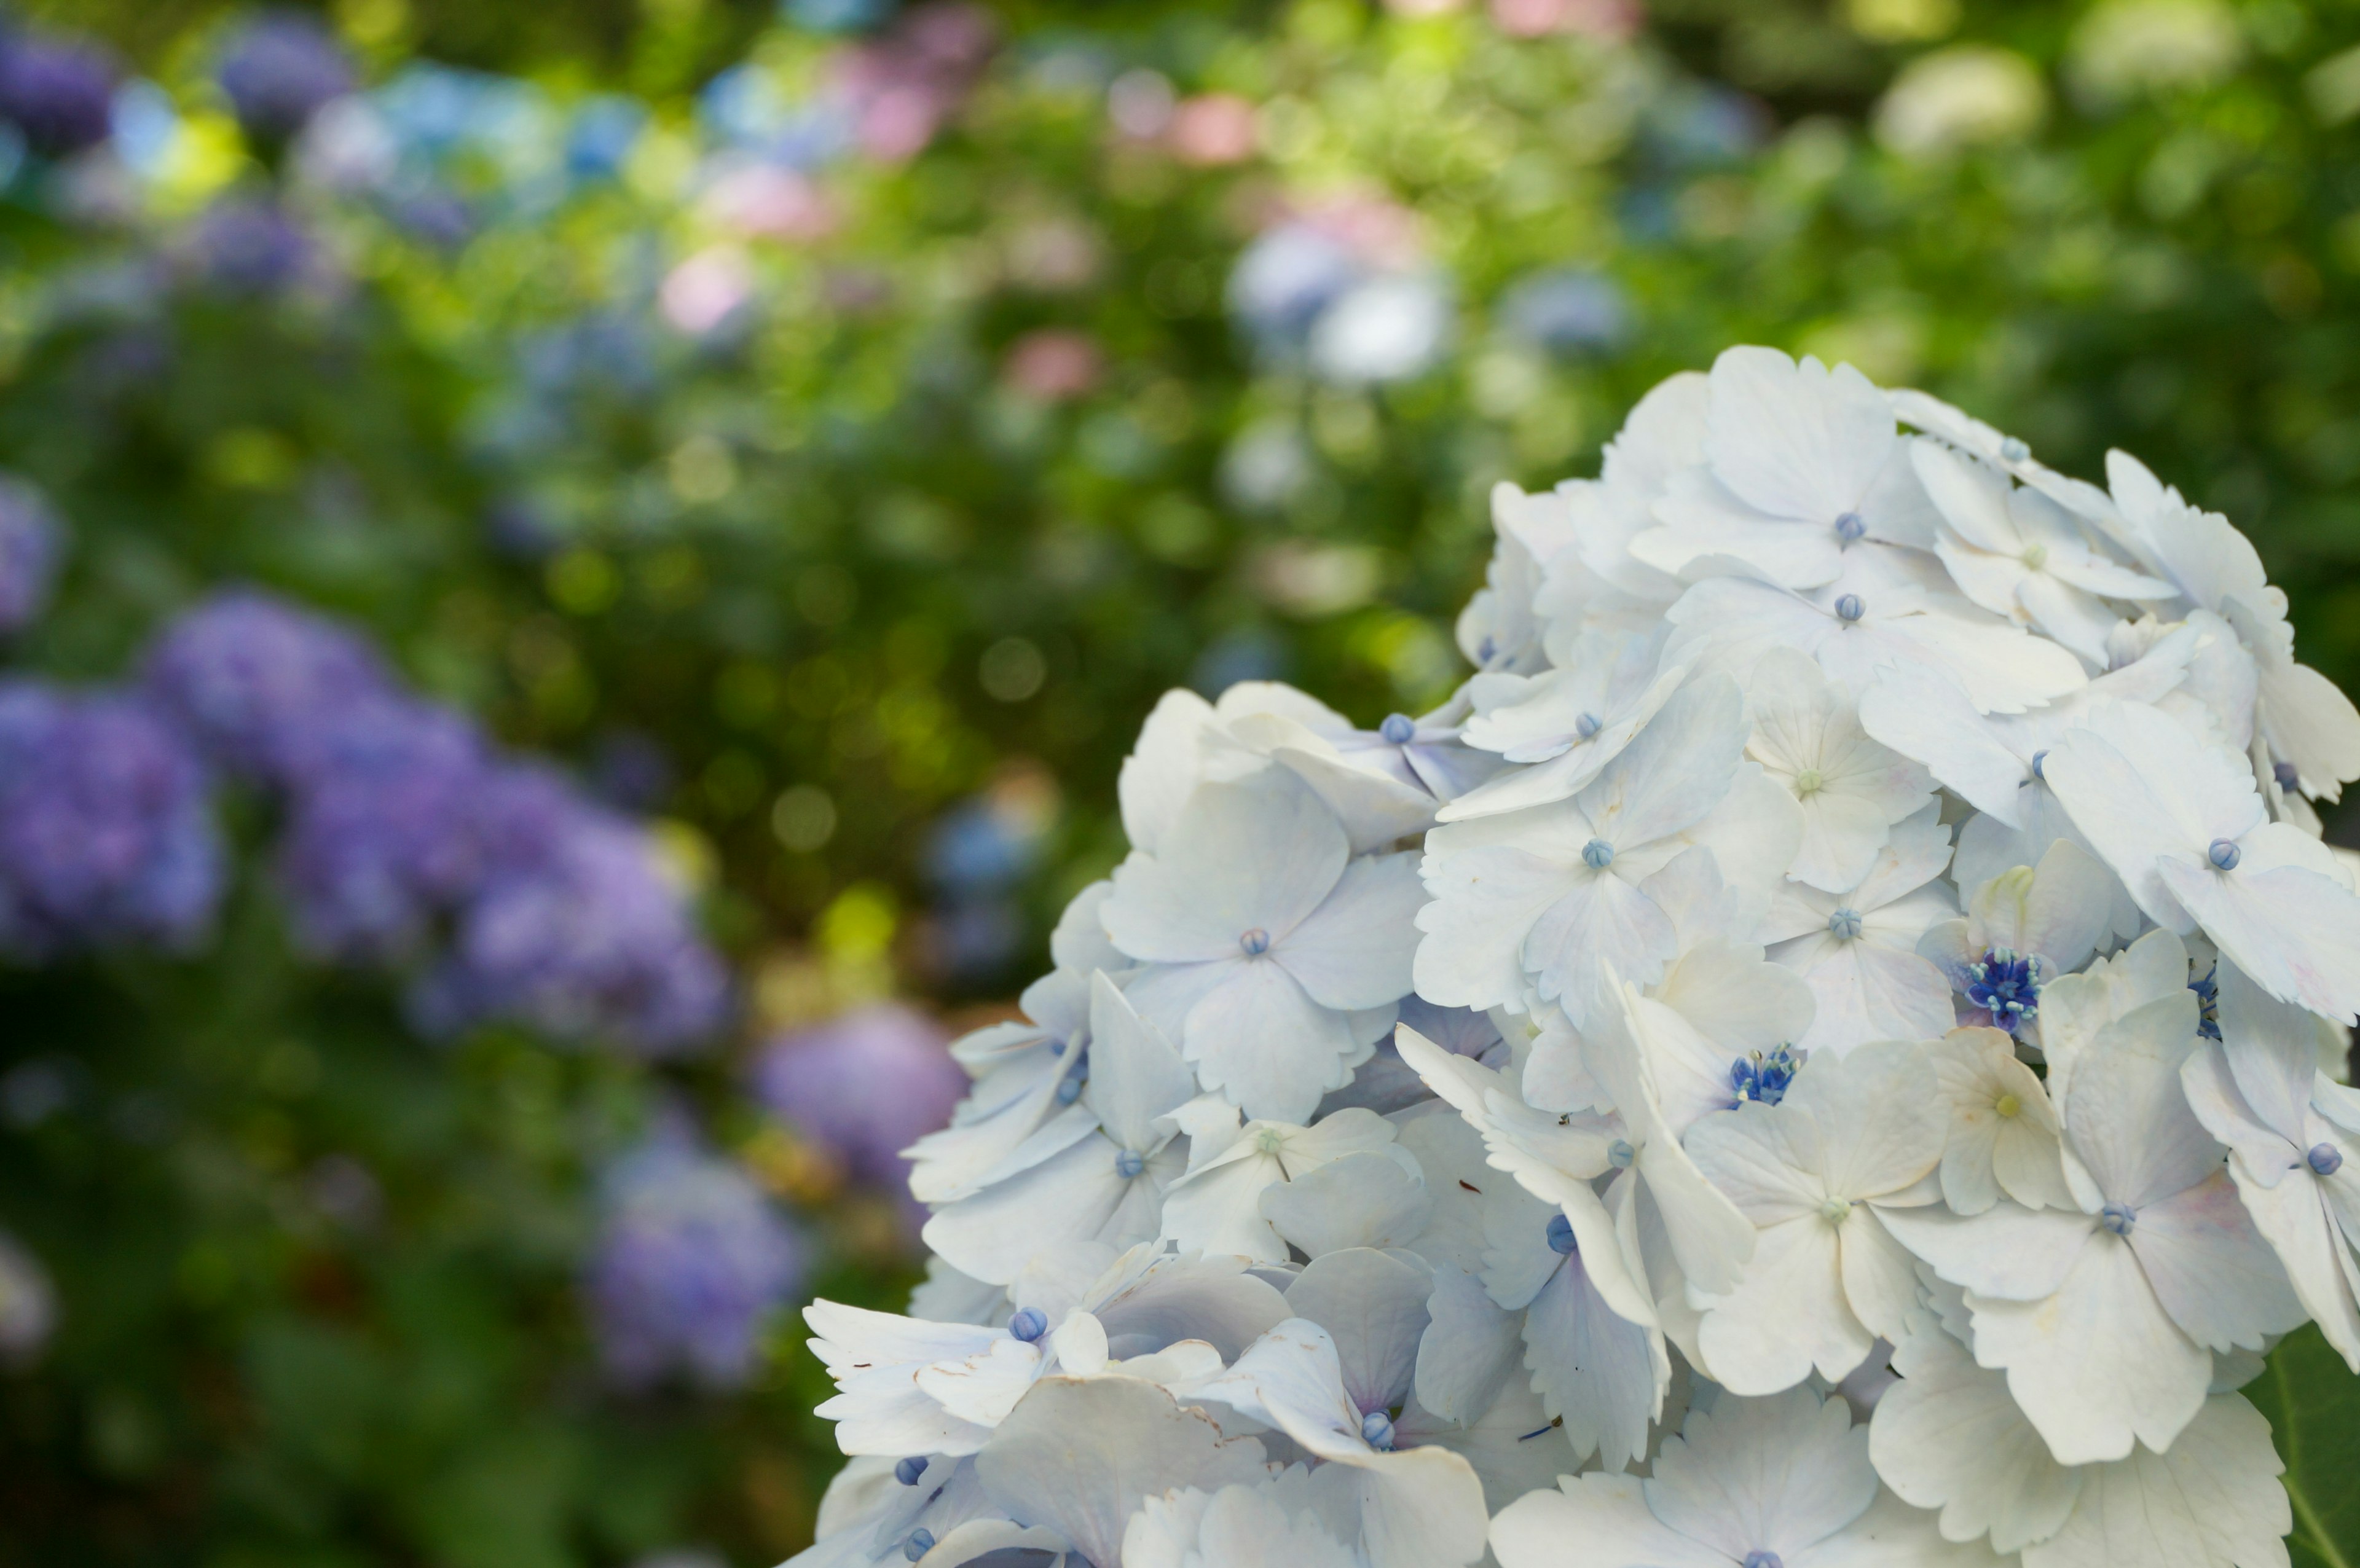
pixel 2007 985
pixel 1764 1077
pixel 2208 1003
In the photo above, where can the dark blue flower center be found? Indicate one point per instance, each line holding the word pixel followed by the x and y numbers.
pixel 2208 1003
pixel 1757 1076
pixel 2006 985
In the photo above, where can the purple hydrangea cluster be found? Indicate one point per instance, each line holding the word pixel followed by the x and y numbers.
pixel 865 1086
pixel 693 1261
pixel 402 823
pixel 58 95
pixel 107 827
pixel 256 679
pixel 278 71
pixel 29 544
pixel 574 927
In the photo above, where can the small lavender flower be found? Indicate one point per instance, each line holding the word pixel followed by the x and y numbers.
pixel 252 677
pixel 59 96
pixel 30 542
pixel 245 247
pixel 278 71
pixel 574 929
pixel 106 829
pixel 693 1261
pixel 866 1085
pixel 381 831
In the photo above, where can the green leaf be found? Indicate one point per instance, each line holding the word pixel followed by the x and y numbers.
pixel 2313 1403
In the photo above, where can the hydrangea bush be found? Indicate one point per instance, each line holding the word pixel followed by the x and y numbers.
pixel 1816 1054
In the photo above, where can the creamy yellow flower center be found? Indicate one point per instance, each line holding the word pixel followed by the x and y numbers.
pixel 1809 781
pixel 2036 556
pixel 2008 1106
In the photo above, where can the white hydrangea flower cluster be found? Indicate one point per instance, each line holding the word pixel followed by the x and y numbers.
pixel 1813 1057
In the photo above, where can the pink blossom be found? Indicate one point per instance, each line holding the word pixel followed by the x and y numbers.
pixel 775 203
pixel 1054 365
pixel 1214 128
pixel 705 291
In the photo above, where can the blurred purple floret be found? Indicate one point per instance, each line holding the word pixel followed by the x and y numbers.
pixel 693 1261
pixel 59 96
pixel 866 1085
pixel 278 71
pixel 106 829
pixel 30 539
pixel 252 678
pixel 575 929
pixel 382 825
pixel 245 245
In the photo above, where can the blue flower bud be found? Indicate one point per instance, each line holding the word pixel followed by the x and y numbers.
pixel 2223 855
pixel 1844 924
pixel 1586 726
pixel 909 1471
pixel 1254 943
pixel 1029 1324
pixel 2324 1159
pixel 1849 527
pixel 1598 855
pixel 1849 608
pixel 1129 1163
pixel 2118 1218
pixel 1399 729
pixel 1377 1431
pixel 1560 1236
pixel 921 1541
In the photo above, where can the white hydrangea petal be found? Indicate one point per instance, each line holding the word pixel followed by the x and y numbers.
pixel 1787 1315
pixel 1079 1455
pixel 2211 1269
pixel 2212 1500
pixel 1375 1198
pixel 1468 1350
pixel 1135 1075
pixel 1608 1515
pixel 1514 1446
pixel 1781 1473
pixel 1262 1041
pixel 2100 1364
pixel 2008 1252
pixel 1373 1305
pixel 1354 951
pixel 2293 929
pixel 1949 1436
pixel 1257 856
pixel 1602 1372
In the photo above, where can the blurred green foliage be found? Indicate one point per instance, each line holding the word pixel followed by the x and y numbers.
pixel 830 553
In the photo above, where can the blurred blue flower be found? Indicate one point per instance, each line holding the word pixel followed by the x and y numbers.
pixel 279 70
pixel 1567 309
pixel 253 677
pixel 835 16
pixel 59 96
pixel 106 826
pixel 1285 279
pixel 144 123
pixel 865 1085
pixel 603 131
pixel 691 1262
pixel 247 246
pixel 30 543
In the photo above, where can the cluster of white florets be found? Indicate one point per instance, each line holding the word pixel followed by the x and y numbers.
pixel 1813 1056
